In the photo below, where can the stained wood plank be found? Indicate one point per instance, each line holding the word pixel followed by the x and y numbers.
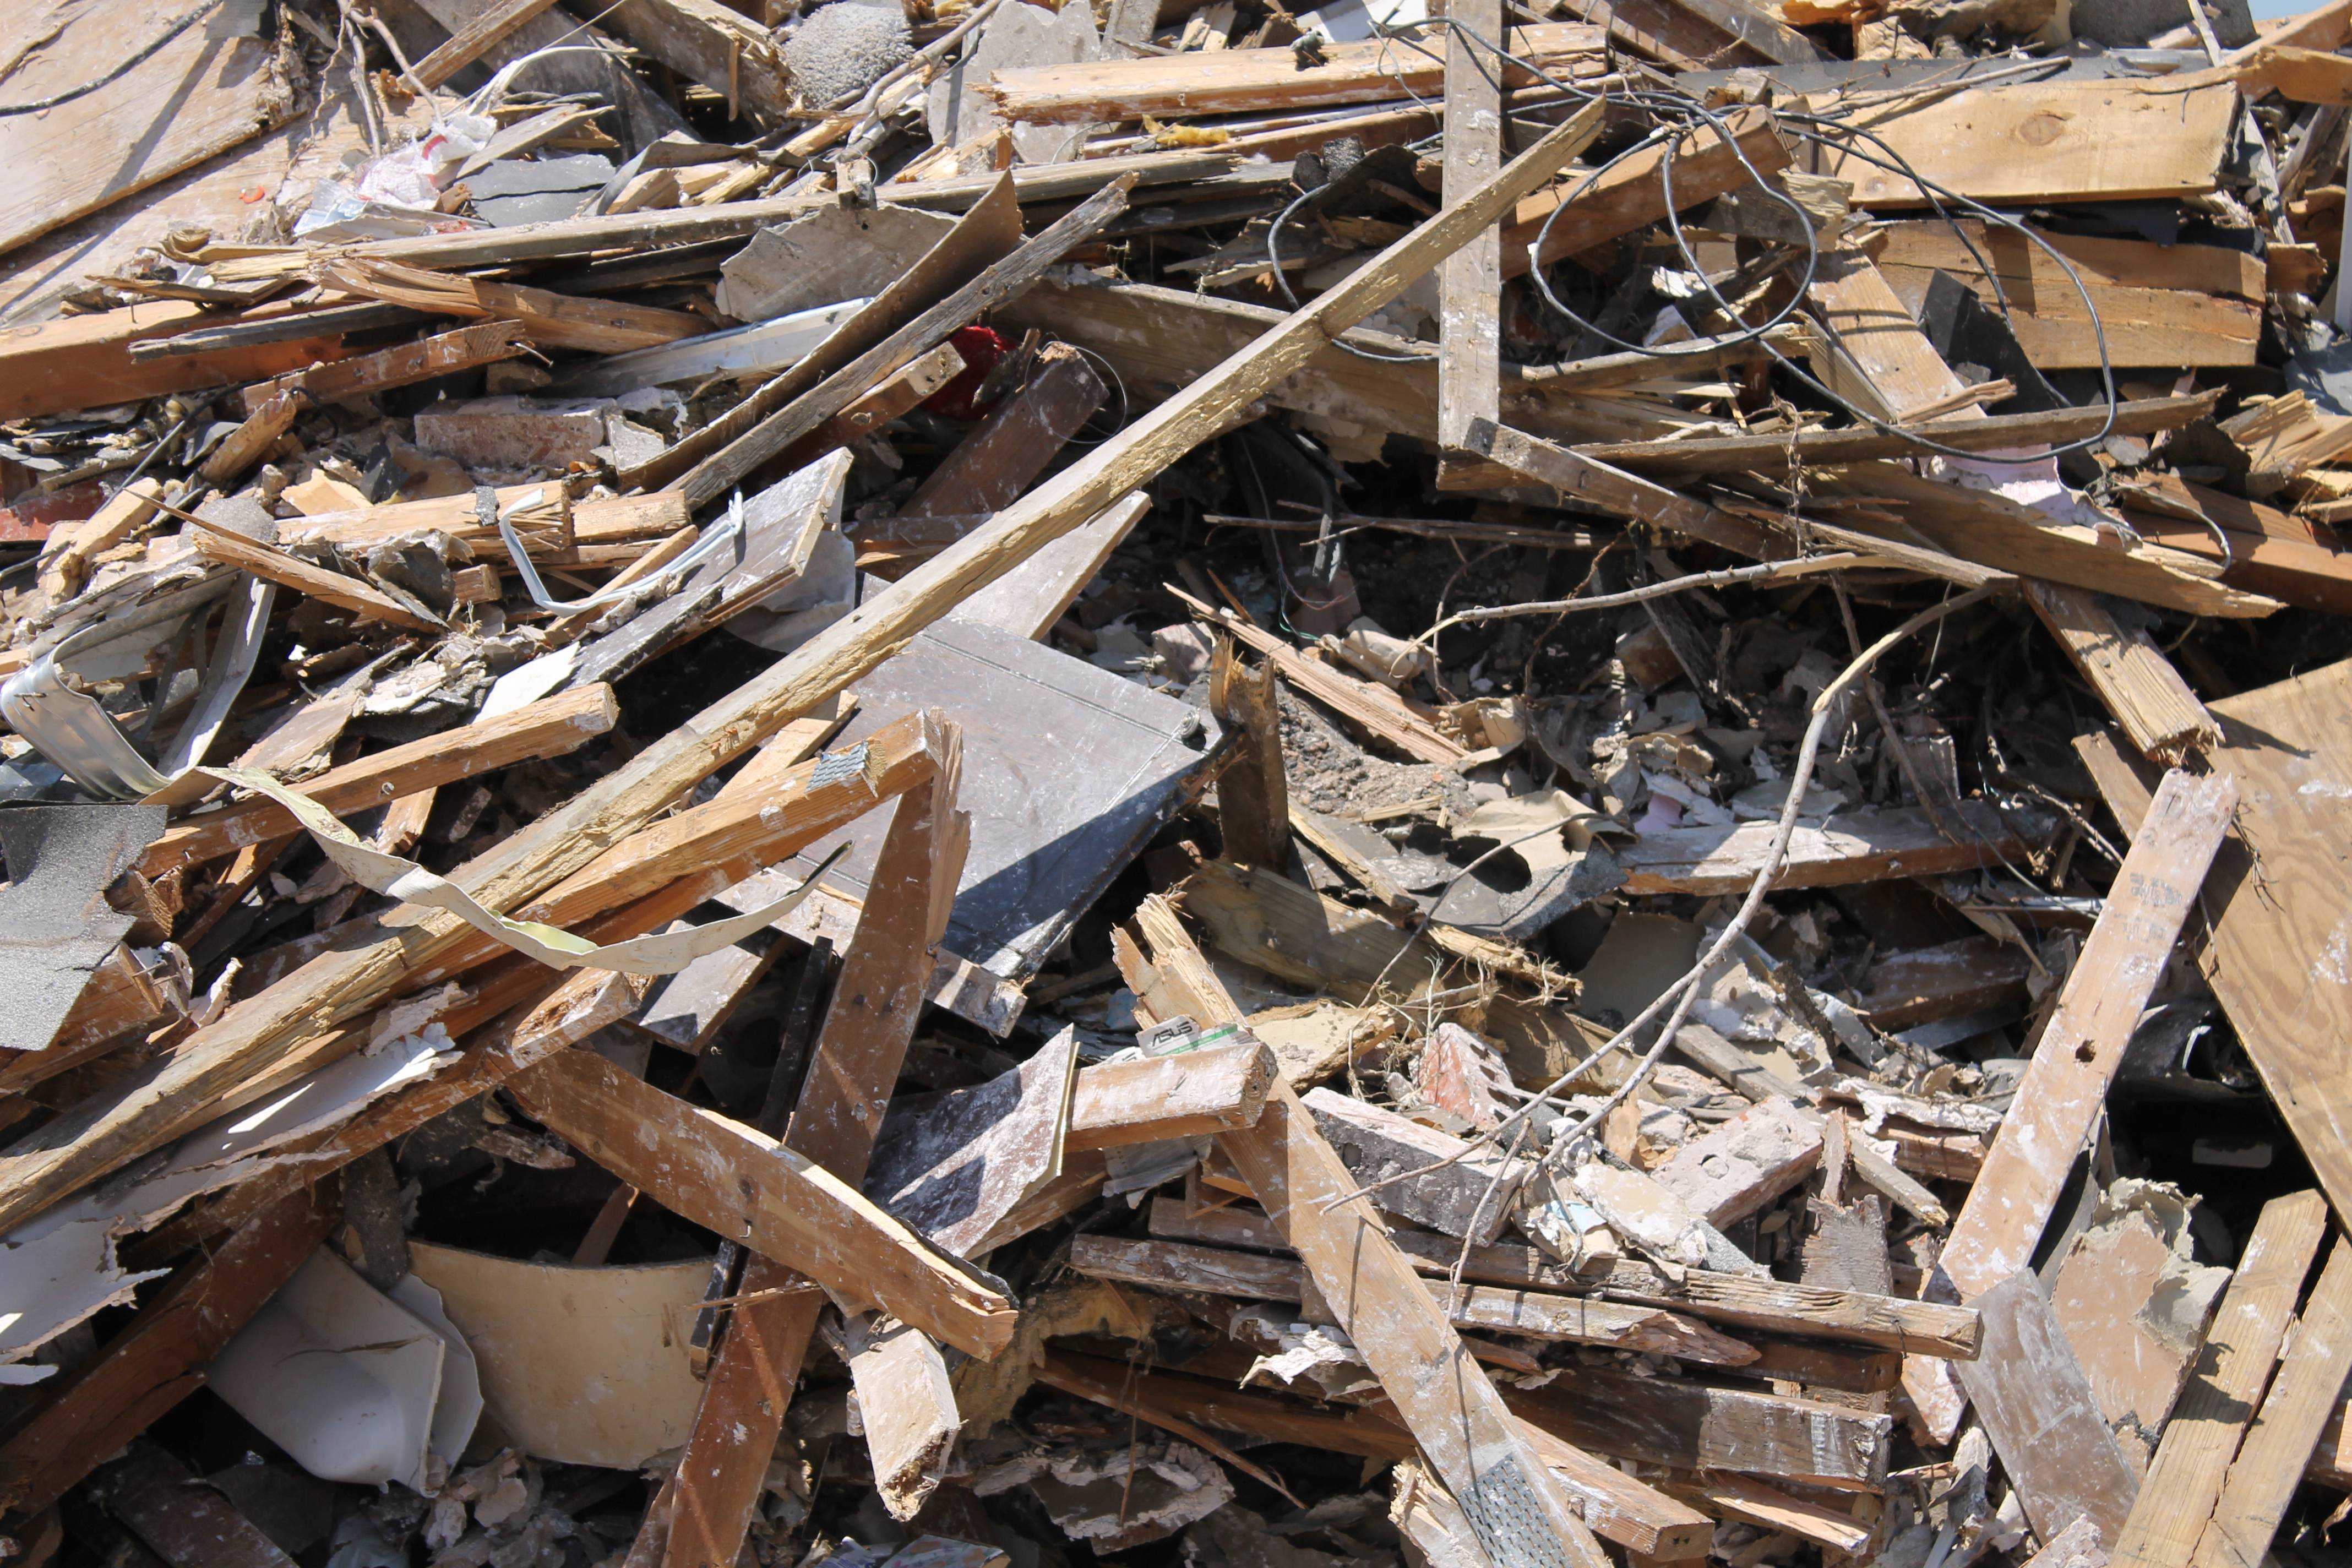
pixel 1470 284
pixel 852 1063
pixel 2074 1060
pixel 198 94
pixel 2033 1398
pixel 2278 898
pixel 2210 1418
pixel 2305 1391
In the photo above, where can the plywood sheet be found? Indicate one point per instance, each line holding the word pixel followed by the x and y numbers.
pixel 213 84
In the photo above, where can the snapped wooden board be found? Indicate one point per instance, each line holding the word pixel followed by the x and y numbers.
pixel 204 91
pixel 2042 141
pixel 2280 899
pixel 2170 305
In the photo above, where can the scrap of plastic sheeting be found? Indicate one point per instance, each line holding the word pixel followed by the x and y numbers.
pixel 56 926
pixel 662 953
pixel 578 1365
pixel 354 1384
pixel 59 1268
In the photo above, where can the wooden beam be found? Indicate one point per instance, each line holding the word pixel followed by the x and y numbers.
pixel 493 23
pixel 1235 81
pixel 403 364
pixel 2211 1415
pixel 2308 1390
pixel 845 1090
pixel 1470 284
pixel 1778 452
pixel 1190 1095
pixel 553 320
pixel 2074 1060
pixel 1855 846
pixel 709 43
pixel 550 727
pixel 275 565
pixel 1697 1427
pixel 2159 714
pixel 1174 1265
pixel 1775 1306
pixel 730 1178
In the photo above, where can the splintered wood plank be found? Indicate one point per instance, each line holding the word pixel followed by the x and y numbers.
pixel 403 364
pixel 547 727
pixel 1239 80
pixel 1867 846
pixel 2022 144
pixel 1691 1425
pixel 1187 1095
pixel 727 1177
pixel 1633 194
pixel 851 1066
pixel 990 468
pixel 907 1407
pixel 553 320
pixel 274 566
pixel 2032 1395
pixel 2074 1060
pixel 1878 359
pixel 2201 1438
pixel 1254 792
pixel 1174 1266
pixel 2280 899
pixel 1470 284
pixel 90 1413
pixel 199 93
pixel 1731 1170
pixel 1515 1504
pixel 493 24
pixel 2305 1393
pixel 2161 717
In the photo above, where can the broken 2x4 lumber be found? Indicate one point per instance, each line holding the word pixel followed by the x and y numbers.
pixel 272 564
pixel 549 727
pixel 2159 714
pixel 876 1000
pixel 1693 1425
pixel 1741 1301
pixel 1439 1393
pixel 1176 1266
pixel 553 320
pixel 1778 452
pixel 1235 81
pixel 1386 715
pixel 2201 1437
pixel 2306 1391
pixel 1190 1094
pixel 403 364
pixel 39 1171
pixel 729 1178
pixel 491 26
pixel 1855 847
pixel 2065 1084
pixel 1470 284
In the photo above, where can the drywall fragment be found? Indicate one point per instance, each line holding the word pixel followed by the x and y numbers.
pixel 581 1366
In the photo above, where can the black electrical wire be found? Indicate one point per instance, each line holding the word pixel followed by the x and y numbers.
pixel 1686 113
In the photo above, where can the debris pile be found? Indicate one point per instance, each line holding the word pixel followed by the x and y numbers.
pixel 966 786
